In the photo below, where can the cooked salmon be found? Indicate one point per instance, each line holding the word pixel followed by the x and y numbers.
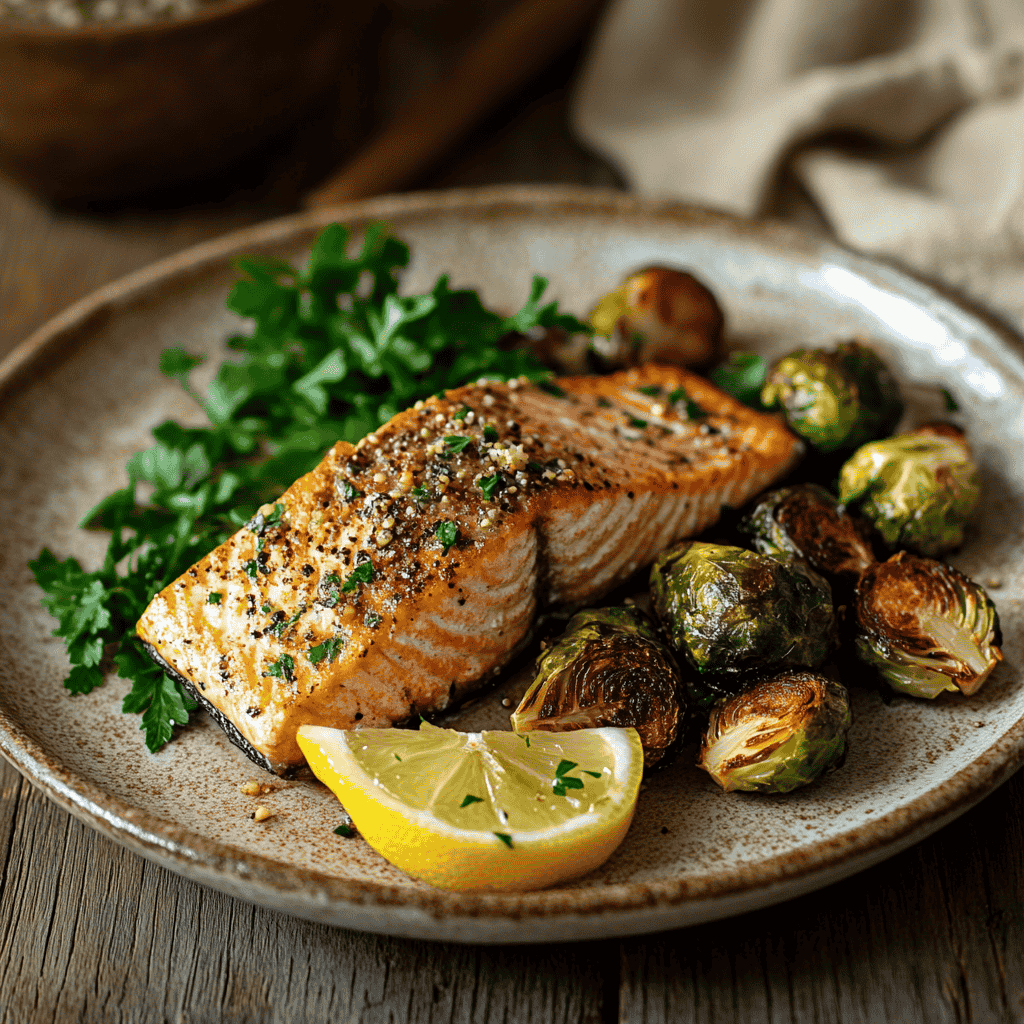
pixel 400 573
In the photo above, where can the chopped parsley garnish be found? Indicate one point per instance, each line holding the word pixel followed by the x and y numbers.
pixel 327 651
pixel 635 421
pixel 372 620
pixel 279 628
pixel 325 359
pixel 267 609
pixel 470 799
pixel 593 775
pixel 421 493
pixel 330 588
pixel 551 388
pixel 275 515
pixel 461 414
pixel 214 599
pixel 349 491
pixel 487 485
pixel 742 376
pixel 650 389
pixel 362 573
pixel 505 838
pixel 535 466
pixel 951 402
pixel 563 781
pixel 490 433
pixel 345 830
pixel 604 403
pixel 251 568
pixel 693 410
pixel 455 443
pixel 447 534
pixel 284 668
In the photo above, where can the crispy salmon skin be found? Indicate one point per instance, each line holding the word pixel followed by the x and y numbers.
pixel 400 573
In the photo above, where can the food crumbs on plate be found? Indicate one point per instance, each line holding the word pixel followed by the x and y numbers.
pixel 250 788
pixel 262 813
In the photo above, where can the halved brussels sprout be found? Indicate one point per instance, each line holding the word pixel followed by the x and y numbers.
pixel 658 315
pixel 805 522
pixel 609 668
pixel 730 610
pixel 783 732
pixel 834 400
pixel 925 627
pixel 919 489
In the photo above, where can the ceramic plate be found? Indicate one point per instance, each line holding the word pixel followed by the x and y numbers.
pixel 83 394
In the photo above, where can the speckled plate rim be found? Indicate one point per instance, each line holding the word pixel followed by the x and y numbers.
pixel 552 915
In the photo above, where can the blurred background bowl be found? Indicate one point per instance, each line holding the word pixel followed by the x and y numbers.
pixel 114 110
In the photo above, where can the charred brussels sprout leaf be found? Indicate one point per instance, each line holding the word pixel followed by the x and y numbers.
pixel 925 627
pixel 918 489
pixel 805 522
pixel 657 315
pixel 730 610
pixel 609 668
pixel 834 400
pixel 781 733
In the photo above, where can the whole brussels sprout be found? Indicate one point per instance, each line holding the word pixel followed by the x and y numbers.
pixel 925 627
pixel 918 489
pixel 781 733
pixel 805 522
pixel 609 668
pixel 834 400
pixel 729 610
pixel 658 315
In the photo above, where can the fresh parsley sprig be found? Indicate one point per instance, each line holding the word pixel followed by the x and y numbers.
pixel 334 352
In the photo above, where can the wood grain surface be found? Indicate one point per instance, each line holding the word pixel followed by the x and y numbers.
pixel 89 932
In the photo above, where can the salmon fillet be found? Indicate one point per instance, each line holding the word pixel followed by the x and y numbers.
pixel 400 573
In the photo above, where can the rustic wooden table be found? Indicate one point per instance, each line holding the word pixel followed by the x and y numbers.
pixel 90 932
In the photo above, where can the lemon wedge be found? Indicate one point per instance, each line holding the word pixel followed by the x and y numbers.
pixel 490 811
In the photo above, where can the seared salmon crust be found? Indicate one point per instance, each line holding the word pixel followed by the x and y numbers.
pixel 400 573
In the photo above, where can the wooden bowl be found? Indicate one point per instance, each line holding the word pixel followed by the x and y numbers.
pixel 114 110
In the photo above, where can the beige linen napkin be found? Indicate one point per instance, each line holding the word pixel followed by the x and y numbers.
pixel 903 120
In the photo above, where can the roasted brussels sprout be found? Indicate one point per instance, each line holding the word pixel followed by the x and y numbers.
pixel 805 522
pixel 918 489
pixel 835 400
pixel 730 610
pixel 658 315
pixel 925 627
pixel 881 404
pixel 609 668
pixel 783 732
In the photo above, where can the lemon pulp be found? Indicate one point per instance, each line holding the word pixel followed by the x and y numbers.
pixel 494 811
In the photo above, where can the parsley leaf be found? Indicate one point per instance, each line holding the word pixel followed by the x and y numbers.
pixel 284 668
pixel 470 799
pixel 447 534
pixel 742 376
pixel 490 433
pixel 487 485
pixel 331 353
pixel 362 573
pixel 456 443
pixel 505 838
pixel 327 651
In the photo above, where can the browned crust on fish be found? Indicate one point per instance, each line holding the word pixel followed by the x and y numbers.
pixel 556 498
